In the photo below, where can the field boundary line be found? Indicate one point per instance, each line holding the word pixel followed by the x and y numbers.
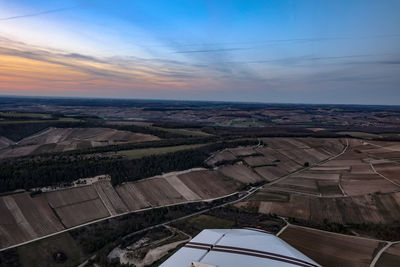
pixel 324 231
pixel 380 252
pixel 137 211
pixel 249 193
pixel 277 189
pixel 340 186
pixel 102 201
pixel 284 190
pixel 283 229
pixel 396 150
pixel 39 133
pixel 372 166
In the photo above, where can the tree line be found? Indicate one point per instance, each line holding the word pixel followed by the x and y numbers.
pixel 31 173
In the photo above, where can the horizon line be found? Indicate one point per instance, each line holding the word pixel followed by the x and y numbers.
pixel 193 100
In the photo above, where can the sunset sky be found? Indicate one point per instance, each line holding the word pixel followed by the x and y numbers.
pixel 299 51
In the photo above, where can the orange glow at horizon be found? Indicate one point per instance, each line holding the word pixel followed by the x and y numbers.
pixel 57 73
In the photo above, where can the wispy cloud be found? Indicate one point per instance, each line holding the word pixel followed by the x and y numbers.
pixel 211 50
pixel 390 62
pixel 134 72
pixel 38 13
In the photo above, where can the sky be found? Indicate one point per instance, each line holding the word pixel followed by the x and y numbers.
pixel 280 51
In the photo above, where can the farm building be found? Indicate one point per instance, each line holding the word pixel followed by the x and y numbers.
pixel 237 248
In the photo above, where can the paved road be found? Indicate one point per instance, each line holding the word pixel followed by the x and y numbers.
pixel 379 254
pixel 247 194
pixel 111 217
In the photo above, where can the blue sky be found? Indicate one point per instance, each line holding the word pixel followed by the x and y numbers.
pixel 269 51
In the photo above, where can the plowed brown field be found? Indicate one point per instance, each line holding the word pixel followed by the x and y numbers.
pixel 330 249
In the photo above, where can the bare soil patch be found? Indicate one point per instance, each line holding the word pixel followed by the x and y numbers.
pixel 24 218
pixel 159 192
pixel 132 197
pixel 375 209
pixel 242 151
pixel 330 249
pixel 256 161
pixel 241 173
pixel 209 184
pixel 390 257
pixel 179 186
pixel 110 197
pixel 389 170
pixel 270 172
pixel 223 156
pixel 365 184
pixel 65 139
pixel 79 213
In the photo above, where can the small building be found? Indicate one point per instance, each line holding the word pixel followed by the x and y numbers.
pixel 237 248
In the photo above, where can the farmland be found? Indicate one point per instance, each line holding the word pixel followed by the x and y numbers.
pixel 64 139
pixel 275 158
pixel 81 204
pixel 356 187
pixel 20 115
pixel 178 131
pixel 70 207
pixel 376 208
pixel 331 173
pixel 390 256
pixel 42 253
pixel 24 218
pixel 330 249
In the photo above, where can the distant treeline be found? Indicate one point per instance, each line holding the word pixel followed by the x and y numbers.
pixel 37 172
pixel 17 131
pixel 177 125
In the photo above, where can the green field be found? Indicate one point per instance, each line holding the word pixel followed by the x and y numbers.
pixel 181 131
pixel 253 123
pixel 139 153
pixel 39 121
pixel 124 123
pixel 149 125
pixel 40 253
pixel 25 115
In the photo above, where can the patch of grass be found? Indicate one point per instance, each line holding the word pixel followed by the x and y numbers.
pixel 139 153
pixel 270 196
pixel 241 123
pixel 44 148
pixel 39 121
pixel 181 131
pixel 25 115
pixel 69 120
pixel 40 253
pixel 329 189
pixel 137 123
